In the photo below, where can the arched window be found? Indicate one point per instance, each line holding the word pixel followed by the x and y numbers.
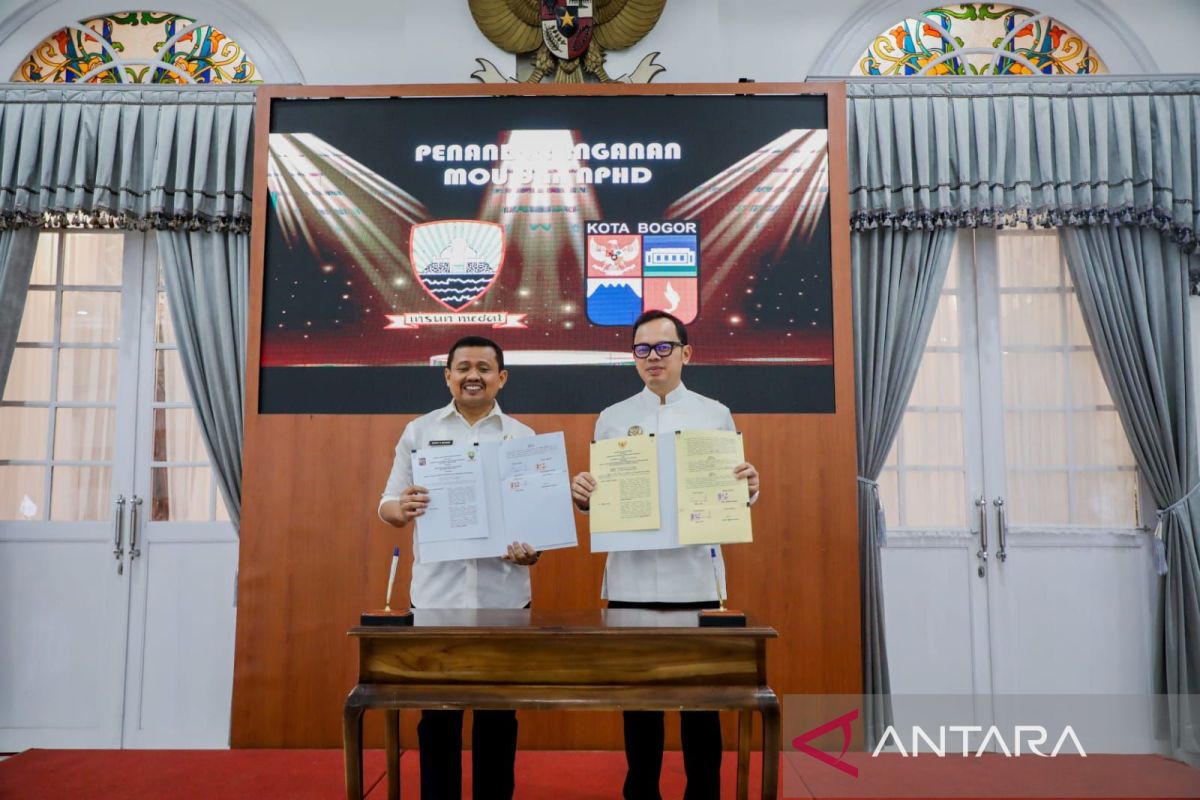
pixel 979 39
pixel 138 47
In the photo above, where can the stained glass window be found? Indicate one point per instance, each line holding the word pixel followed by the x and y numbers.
pixel 138 47
pixel 979 39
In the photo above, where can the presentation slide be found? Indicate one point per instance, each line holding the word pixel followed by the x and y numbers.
pixel 397 225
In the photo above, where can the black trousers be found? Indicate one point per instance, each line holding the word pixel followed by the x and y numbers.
pixel 700 735
pixel 493 754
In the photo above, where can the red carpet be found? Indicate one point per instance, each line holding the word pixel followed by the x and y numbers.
pixel 304 774
pixel 181 774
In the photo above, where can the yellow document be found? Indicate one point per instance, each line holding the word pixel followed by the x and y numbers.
pixel 626 495
pixel 714 506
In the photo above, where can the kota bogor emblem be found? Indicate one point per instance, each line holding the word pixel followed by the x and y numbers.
pixel 567 38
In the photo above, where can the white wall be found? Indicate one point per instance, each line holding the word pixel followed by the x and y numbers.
pixel 417 41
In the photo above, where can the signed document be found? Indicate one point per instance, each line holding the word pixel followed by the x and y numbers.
pixel 457 499
pixel 535 485
pixel 714 506
pixel 523 495
pixel 626 495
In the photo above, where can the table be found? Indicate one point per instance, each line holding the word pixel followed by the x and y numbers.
pixel 615 659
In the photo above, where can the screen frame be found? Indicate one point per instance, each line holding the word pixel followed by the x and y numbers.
pixel 534 396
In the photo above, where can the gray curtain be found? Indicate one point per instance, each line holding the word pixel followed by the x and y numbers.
pixel 961 153
pixel 207 280
pixel 144 158
pixel 133 158
pixel 1084 155
pixel 1133 290
pixel 897 277
pixel 17 248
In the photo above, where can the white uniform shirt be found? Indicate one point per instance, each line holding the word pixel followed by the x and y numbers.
pixel 470 583
pixel 677 575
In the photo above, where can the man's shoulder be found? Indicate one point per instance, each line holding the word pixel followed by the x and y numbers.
pixel 424 421
pixel 515 427
pixel 706 403
pixel 631 403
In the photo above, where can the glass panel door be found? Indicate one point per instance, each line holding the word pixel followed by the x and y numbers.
pixel 67 427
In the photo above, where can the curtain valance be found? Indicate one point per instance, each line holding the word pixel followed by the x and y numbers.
pixel 134 158
pixel 928 153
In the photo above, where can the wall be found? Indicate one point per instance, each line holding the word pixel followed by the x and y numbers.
pixel 415 41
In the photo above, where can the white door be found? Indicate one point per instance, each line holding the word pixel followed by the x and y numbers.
pixel 1070 579
pixel 88 645
pixel 182 611
pixel 1010 430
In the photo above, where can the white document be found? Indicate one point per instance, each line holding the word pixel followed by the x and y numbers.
pixel 526 497
pixel 536 486
pixel 667 534
pixel 457 507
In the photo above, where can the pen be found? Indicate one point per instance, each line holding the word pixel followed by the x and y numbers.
pixel 716 576
pixel 387 604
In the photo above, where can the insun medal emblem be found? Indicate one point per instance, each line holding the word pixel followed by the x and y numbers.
pixel 567 26
pixel 456 261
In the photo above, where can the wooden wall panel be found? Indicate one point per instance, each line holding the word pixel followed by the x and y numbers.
pixel 314 553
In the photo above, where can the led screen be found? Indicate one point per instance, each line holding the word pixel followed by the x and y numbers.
pixel 397 225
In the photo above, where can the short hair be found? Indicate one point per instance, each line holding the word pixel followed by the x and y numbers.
pixel 650 316
pixel 475 341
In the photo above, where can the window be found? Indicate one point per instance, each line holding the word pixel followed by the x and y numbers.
pixel 86 384
pixel 979 39
pixel 138 47
pixel 1009 401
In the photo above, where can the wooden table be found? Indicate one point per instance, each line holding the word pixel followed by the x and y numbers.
pixel 619 659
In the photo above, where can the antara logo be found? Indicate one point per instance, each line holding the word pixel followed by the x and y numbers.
pixel 1032 736
pixel 1025 739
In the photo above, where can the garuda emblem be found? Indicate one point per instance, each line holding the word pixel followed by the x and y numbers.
pixel 567 37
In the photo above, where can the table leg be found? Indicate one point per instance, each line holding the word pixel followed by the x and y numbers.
pixel 391 741
pixel 745 734
pixel 352 745
pixel 769 708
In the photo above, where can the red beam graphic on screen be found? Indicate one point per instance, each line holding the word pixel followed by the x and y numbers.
pixel 753 210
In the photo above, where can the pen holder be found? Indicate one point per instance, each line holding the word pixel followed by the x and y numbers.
pixel 722 618
pixel 387 619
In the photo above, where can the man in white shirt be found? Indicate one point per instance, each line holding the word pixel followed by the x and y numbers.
pixel 474 374
pixel 665 579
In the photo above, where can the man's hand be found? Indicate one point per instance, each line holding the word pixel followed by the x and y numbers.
pixel 411 504
pixel 521 554
pixel 581 490
pixel 748 472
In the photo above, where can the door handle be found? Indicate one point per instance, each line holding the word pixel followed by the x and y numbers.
pixel 119 533
pixel 982 553
pixel 1002 554
pixel 135 551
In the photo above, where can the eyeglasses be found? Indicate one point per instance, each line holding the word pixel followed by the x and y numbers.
pixel 663 349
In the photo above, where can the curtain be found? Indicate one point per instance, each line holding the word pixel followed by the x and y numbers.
pixel 144 158
pixel 17 248
pixel 1097 159
pixel 135 158
pixel 962 153
pixel 897 278
pixel 1133 292
pixel 207 282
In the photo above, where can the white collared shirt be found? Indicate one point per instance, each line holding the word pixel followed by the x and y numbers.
pixel 682 574
pixel 470 583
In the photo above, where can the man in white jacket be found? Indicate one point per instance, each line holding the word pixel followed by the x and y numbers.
pixel 680 578
pixel 474 374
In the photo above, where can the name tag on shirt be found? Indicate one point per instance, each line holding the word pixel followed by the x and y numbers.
pixel 440 442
